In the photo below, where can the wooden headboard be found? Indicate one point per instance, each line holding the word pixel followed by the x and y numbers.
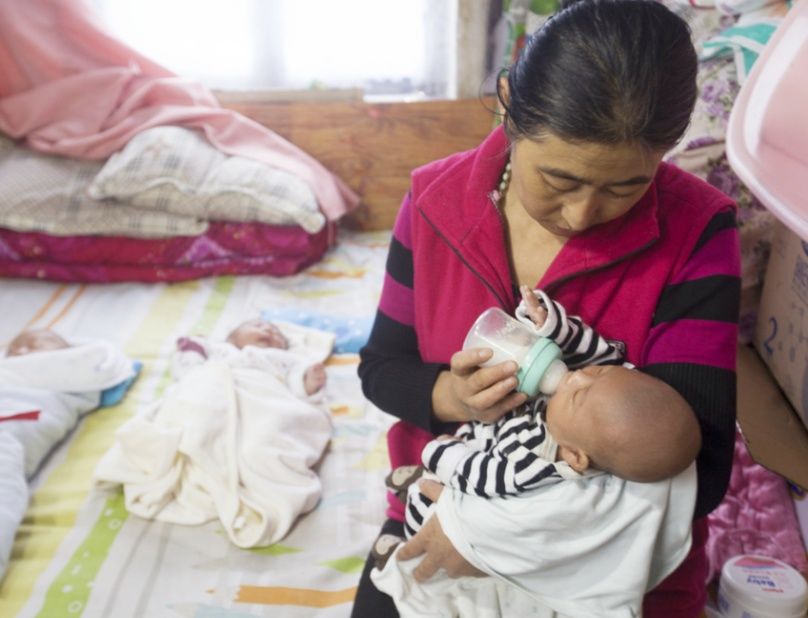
pixel 373 147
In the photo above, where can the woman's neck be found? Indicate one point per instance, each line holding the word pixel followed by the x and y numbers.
pixel 531 247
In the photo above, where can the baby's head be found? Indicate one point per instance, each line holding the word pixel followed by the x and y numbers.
pixel 624 422
pixel 38 340
pixel 258 333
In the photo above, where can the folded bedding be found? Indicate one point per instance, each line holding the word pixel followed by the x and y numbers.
pixel 131 151
pixel 158 214
pixel 224 249
pixel 175 170
pixel 69 88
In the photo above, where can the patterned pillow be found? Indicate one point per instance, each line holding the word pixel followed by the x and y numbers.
pixel 177 170
pixel 46 193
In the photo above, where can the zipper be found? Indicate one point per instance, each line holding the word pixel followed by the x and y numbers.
pixel 451 246
pixel 550 286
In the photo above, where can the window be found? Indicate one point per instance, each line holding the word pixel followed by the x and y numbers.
pixel 383 47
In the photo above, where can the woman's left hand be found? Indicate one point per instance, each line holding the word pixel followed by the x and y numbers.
pixel 431 542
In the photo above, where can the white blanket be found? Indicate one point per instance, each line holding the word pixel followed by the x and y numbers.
pixel 42 397
pixel 591 547
pixel 85 367
pixel 13 494
pixel 233 438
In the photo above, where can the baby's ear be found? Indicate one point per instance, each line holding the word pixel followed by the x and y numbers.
pixel 576 458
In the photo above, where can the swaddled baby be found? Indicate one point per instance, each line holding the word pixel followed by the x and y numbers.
pixel 261 343
pixel 46 386
pixel 235 437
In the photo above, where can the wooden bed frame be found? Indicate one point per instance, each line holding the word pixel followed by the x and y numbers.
pixel 373 147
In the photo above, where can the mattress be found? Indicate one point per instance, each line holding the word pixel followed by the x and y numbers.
pixel 79 553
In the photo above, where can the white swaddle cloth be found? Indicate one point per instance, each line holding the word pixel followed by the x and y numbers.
pixel 588 547
pixel 42 396
pixel 83 367
pixel 13 495
pixel 235 438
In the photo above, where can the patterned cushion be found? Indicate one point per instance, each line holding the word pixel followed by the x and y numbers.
pixel 47 193
pixel 177 170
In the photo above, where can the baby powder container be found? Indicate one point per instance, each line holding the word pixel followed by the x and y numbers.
pixel 539 358
pixel 753 586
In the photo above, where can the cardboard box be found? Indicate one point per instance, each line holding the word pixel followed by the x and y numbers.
pixel 781 334
pixel 773 432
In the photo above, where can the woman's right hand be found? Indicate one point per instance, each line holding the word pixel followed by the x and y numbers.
pixel 468 392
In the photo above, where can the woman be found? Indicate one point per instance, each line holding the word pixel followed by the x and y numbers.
pixel 570 196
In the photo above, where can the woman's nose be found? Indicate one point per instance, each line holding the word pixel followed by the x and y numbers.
pixel 581 213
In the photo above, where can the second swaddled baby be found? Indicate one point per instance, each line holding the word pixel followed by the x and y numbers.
pixel 236 437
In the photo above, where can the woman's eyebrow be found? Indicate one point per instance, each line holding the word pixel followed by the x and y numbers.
pixel 551 171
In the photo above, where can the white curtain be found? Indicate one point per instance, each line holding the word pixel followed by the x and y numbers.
pixel 401 49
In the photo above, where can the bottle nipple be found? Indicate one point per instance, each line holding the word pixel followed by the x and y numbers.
pixel 552 377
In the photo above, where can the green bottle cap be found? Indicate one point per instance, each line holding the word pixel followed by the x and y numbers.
pixel 538 359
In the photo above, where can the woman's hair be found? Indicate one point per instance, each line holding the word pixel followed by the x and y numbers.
pixel 605 71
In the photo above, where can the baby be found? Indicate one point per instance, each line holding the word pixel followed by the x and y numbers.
pixel 236 437
pixel 603 417
pixel 35 340
pixel 263 334
pixel 46 386
pixel 259 333
pixel 55 383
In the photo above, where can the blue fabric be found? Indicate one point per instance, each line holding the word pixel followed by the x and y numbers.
pixel 351 332
pixel 113 395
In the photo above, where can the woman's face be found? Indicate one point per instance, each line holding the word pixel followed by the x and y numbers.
pixel 570 187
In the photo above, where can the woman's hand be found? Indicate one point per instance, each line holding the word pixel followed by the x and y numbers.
pixel 433 544
pixel 468 392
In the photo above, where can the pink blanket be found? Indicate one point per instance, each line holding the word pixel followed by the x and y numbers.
pixel 756 516
pixel 69 88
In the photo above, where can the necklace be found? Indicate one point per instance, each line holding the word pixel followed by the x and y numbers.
pixel 504 181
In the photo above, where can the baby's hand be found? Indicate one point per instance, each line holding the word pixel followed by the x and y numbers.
pixel 314 378
pixel 535 311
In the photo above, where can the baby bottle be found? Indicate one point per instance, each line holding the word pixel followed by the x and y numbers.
pixel 539 358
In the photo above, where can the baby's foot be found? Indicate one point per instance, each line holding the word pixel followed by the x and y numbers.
pixel 383 548
pixel 401 478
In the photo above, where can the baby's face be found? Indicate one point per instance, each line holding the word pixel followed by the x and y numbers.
pixel 571 410
pixel 35 341
pixel 258 333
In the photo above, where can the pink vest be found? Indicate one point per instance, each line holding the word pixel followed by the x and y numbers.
pixel 612 276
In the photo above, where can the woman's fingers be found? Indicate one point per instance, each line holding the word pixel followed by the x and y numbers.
pixel 490 404
pixel 468 361
pixel 431 489
pixel 466 364
pixel 431 541
pixel 426 569
pixel 414 547
pixel 485 393
pixel 438 553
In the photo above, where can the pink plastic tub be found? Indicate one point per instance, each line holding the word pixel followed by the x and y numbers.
pixel 767 136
